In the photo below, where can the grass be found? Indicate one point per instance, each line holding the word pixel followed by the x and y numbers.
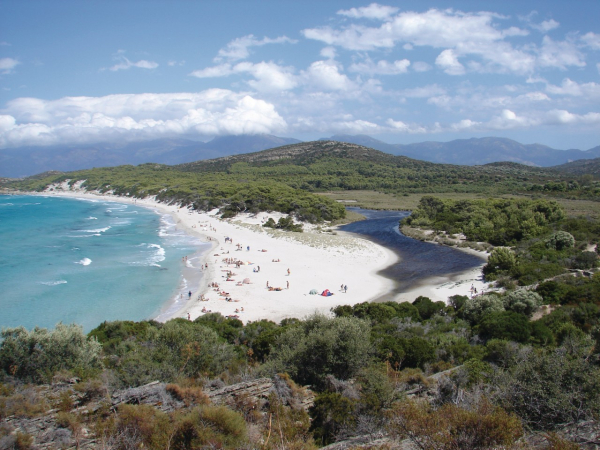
pixel 576 208
pixel 408 202
pixel 405 202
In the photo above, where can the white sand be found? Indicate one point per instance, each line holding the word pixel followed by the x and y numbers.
pixel 316 260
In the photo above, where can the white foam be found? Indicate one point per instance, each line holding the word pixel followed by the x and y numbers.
pixel 84 262
pixel 99 230
pixel 92 218
pixel 53 283
pixel 159 255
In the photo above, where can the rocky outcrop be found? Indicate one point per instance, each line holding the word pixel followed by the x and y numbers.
pixel 48 431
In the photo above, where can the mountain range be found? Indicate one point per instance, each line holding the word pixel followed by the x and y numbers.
pixel 26 161
pixel 476 151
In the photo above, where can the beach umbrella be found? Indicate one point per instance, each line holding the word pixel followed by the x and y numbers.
pixel 246 280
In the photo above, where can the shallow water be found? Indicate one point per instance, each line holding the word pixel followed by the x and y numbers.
pixel 87 261
pixel 418 260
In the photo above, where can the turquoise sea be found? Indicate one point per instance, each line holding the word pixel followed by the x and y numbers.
pixel 86 261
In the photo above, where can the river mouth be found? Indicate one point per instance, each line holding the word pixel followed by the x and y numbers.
pixel 419 261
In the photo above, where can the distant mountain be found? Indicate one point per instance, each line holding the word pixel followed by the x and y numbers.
pixel 26 161
pixel 476 151
pixel 303 154
pixel 581 167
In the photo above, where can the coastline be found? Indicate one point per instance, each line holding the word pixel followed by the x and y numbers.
pixel 316 260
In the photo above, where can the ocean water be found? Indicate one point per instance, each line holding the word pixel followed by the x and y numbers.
pixel 87 261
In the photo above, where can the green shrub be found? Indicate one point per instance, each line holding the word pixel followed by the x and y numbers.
pixel 501 260
pixel 522 301
pixel 560 241
pixel 38 354
pixel 427 308
pixel 477 307
pixel 552 387
pixel 507 325
pixel 320 346
pixel 330 412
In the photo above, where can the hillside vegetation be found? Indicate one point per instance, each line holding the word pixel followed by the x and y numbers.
pixel 284 179
pixel 475 374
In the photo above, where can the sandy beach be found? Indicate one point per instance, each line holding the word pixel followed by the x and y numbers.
pixel 254 273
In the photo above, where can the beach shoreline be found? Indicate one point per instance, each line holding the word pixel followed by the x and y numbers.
pixel 292 264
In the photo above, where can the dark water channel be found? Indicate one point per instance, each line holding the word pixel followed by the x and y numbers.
pixel 418 260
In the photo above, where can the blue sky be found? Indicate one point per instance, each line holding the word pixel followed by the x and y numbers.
pixel 82 72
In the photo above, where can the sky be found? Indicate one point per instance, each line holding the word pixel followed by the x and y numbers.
pixel 89 71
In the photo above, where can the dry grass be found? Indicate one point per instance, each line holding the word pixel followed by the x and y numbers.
pixel 576 208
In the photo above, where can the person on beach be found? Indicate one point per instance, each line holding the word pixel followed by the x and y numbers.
pixel 288 272
pixel 190 294
pixel 267 285
pixel 345 289
pixel 288 284
pixel 189 317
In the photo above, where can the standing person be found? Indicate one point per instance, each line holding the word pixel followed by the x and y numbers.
pixel 267 284
pixel 288 272
pixel 345 289
pixel 288 284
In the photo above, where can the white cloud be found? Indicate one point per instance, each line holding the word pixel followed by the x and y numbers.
pixel 476 39
pixel 354 126
pixel 562 117
pixel 126 64
pixel 239 48
pixel 268 76
pixel 439 29
pixel 559 54
pixel 7 65
pixel 328 52
pixel 326 75
pixel 592 40
pixel 448 61
pixel 373 11
pixel 532 97
pixel 222 70
pixel 68 120
pixel 421 66
pixel 399 126
pixel 424 91
pixel 569 87
pixel 381 68
pixel 545 26
pixel 514 31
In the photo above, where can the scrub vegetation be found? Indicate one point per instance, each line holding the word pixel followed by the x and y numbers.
pixel 512 369
pixel 476 373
